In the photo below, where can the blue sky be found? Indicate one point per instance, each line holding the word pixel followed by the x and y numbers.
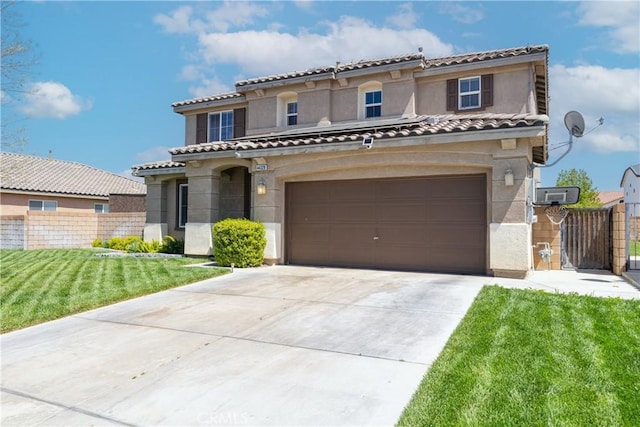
pixel 108 72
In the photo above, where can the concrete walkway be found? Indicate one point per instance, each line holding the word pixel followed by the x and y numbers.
pixel 276 345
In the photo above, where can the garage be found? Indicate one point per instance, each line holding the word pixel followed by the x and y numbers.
pixel 425 224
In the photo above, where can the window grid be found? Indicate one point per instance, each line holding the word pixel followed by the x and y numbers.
pixel 469 90
pixel 292 113
pixel 221 126
pixel 183 202
pixel 373 104
pixel 43 205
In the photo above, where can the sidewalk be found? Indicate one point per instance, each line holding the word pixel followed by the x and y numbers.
pixel 598 283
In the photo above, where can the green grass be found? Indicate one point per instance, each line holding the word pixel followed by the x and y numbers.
pixel 527 358
pixel 42 285
pixel 634 248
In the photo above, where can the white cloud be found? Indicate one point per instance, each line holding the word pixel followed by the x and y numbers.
pixel 230 14
pixel 303 4
pixel 622 17
pixel 595 91
pixel 52 100
pixel 461 13
pixel 405 17
pixel 266 52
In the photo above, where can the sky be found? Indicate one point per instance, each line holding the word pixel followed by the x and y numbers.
pixel 107 72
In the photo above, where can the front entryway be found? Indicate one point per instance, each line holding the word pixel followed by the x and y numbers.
pixel 424 224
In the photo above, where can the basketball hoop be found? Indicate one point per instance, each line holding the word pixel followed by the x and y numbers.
pixel 556 213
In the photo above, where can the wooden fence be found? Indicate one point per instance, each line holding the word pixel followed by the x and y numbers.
pixel 587 239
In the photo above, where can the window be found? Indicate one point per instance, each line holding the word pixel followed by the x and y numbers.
pixel 221 126
pixel 43 205
pixel 183 203
pixel 469 91
pixel 373 104
pixel 292 113
pixel 101 208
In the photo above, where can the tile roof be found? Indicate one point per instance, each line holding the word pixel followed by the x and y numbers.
pixel 167 165
pixel 466 58
pixel 608 197
pixel 419 126
pixel 29 173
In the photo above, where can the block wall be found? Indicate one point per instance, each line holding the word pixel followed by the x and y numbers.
pixel 12 233
pixel 545 231
pixel 619 241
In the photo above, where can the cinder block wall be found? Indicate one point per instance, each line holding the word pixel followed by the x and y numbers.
pixel 120 224
pixel 12 235
pixel 545 231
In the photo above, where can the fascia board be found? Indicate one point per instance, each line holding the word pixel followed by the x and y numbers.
pixel 161 171
pixel 209 104
pixel 53 194
pixel 377 69
pixel 485 135
pixel 283 82
pixel 448 69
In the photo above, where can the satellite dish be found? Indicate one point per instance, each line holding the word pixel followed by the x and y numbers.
pixel 574 123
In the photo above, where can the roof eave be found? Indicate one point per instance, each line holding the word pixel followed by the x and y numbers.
pixel 483 64
pixel 457 137
pixel 158 171
pixel 208 104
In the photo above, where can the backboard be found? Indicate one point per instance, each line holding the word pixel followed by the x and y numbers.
pixel 547 196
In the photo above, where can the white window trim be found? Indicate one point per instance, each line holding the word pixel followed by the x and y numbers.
pixel 218 113
pixel 182 222
pixel 289 115
pixel 473 92
pixel 371 86
pixel 373 104
pixel 283 100
pixel 103 205
pixel 42 207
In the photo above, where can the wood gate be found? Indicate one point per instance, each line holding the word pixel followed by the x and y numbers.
pixel 587 239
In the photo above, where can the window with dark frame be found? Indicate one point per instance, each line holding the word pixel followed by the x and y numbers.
pixel 183 203
pixel 101 208
pixel 220 126
pixel 373 104
pixel 292 113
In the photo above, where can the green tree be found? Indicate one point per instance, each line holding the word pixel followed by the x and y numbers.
pixel 579 178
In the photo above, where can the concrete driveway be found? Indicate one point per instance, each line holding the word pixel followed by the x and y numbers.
pixel 277 345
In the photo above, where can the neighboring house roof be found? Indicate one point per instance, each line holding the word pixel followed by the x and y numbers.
pixel 386 129
pixel 609 198
pixel 19 172
pixel 634 169
pixel 416 59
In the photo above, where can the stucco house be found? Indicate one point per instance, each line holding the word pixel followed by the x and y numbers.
pixel 30 183
pixel 407 162
pixel 630 184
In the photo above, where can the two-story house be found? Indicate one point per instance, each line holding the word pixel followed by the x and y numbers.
pixel 409 162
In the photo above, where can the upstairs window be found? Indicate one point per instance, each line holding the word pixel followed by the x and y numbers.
pixel 292 113
pixel 373 104
pixel 101 207
pixel 43 205
pixel 221 126
pixel 469 93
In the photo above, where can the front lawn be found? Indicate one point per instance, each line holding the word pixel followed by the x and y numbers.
pixel 634 248
pixel 41 285
pixel 528 358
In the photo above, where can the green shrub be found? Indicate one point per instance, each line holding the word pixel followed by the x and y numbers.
pixel 139 246
pixel 99 243
pixel 123 243
pixel 171 245
pixel 239 241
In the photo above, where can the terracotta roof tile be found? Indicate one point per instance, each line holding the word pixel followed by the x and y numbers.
pixel 484 56
pixel 211 98
pixel 29 173
pixel 167 164
pixel 423 125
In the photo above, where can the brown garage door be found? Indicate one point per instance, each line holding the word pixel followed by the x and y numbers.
pixel 426 224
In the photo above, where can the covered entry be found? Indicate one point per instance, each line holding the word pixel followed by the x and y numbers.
pixel 425 224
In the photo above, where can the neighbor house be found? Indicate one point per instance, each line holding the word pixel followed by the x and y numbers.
pixel 407 162
pixel 630 185
pixel 610 198
pixel 29 183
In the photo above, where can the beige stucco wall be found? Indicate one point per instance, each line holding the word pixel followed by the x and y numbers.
pixel 18 204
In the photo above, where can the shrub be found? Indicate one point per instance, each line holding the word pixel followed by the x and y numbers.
pixel 171 245
pixel 123 243
pixel 139 246
pixel 99 243
pixel 239 241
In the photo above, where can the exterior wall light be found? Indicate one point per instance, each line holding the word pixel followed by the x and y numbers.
pixel 261 188
pixel 508 177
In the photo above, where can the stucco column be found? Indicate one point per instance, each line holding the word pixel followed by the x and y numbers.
pixel 155 227
pixel 202 210
pixel 510 246
pixel 265 210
